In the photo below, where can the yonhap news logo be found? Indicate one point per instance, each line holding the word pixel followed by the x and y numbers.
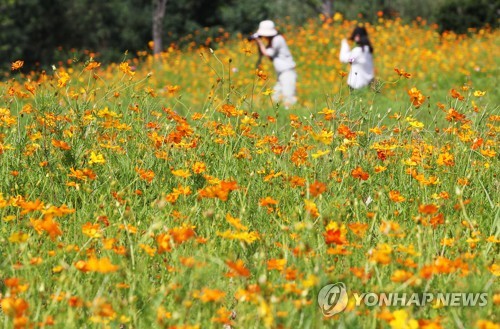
pixel 333 299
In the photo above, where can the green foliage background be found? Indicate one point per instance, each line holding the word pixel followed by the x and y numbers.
pixel 44 32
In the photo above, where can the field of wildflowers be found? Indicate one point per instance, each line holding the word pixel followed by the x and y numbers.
pixel 172 193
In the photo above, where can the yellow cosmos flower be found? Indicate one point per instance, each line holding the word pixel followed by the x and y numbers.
pixel 96 158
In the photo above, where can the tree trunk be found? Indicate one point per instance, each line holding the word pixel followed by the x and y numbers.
pixel 326 8
pixel 158 15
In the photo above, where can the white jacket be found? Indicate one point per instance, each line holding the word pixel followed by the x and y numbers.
pixel 280 54
pixel 361 60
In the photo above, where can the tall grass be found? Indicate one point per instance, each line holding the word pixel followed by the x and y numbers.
pixel 173 193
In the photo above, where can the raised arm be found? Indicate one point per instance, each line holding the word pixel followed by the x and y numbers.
pixel 268 52
pixel 345 52
pixel 350 56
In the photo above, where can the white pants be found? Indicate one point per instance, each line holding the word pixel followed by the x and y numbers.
pixel 285 88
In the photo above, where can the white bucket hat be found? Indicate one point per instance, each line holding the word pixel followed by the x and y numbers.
pixel 267 29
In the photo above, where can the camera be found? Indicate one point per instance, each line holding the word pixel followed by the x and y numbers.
pixel 252 37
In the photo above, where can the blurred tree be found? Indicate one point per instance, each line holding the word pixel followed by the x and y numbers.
pixel 461 15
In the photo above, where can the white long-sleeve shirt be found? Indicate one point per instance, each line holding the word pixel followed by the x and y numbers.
pixel 361 60
pixel 280 54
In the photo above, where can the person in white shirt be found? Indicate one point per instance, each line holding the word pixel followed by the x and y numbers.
pixel 284 65
pixel 360 58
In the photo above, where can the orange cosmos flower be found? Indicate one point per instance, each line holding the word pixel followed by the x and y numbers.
pixel 181 173
pixel 17 65
pixel 125 68
pixel 437 220
pixel 261 74
pixel 29 87
pixel 147 175
pixel 48 225
pixel 199 167
pixel 402 73
pixel 358 228
pixel 92 230
pixel 181 234
pixel 402 276
pixel 486 324
pixel 229 185
pixel 163 242
pixel 453 115
pixel 13 306
pixel 396 196
pixel 488 152
pixel 328 114
pixel 211 295
pixel 229 110
pixel 416 97
pixel 236 223
pixel 147 249
pixel 427 209
pixel 276 264
pixel 317 188
pixel 267 201
pixel 391 229
pixel 93 264
pixel 446 159
pixel 237 269
pixel 311 208
pixel 360 272
pixel 346 132
pixel 297 181
pixel 455 94
pixel 335 236
pixel 30 206
pixel 299 157
pixel 224 316
pixel 477 143
pixel 61 144
pixel 381 254
pixel 213 192
pixel 360 174
pixel 171 90
pixel 92 65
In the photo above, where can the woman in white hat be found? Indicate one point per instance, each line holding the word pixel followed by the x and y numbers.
pixel 277 50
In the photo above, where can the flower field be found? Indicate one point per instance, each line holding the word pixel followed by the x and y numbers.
pixel 172 192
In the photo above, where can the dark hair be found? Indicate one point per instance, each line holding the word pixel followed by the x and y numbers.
pixel 359 30
pixel 363 38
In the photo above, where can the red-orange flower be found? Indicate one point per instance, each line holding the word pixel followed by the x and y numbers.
pixel 237 269
pixel 147 175
pixel 455 94
pixel 346 132
pixel 427 209
pixel 360 174
pixel 317 188
pixel 402 73
pixel 335 236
